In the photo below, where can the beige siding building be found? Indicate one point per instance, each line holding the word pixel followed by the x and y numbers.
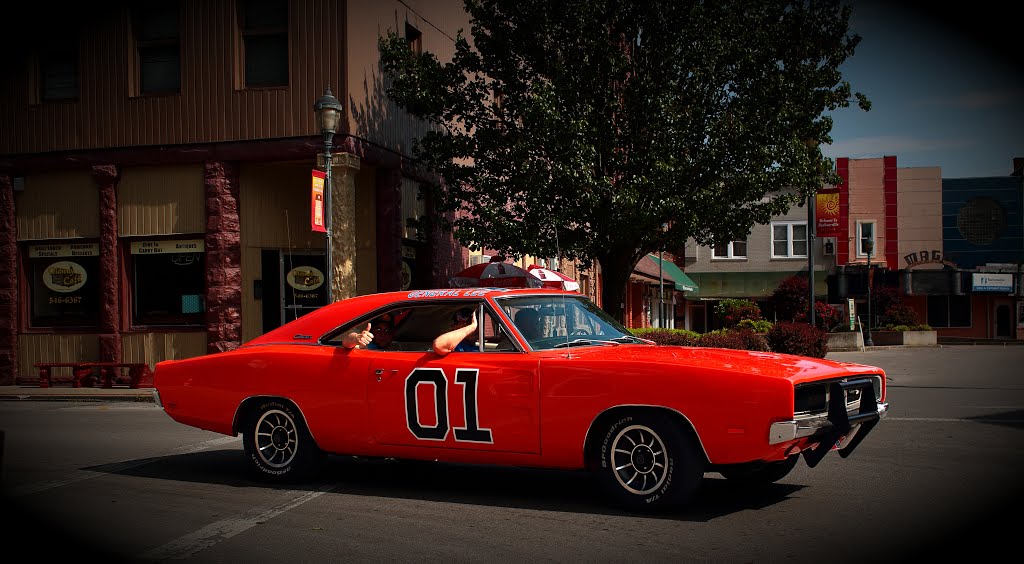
pixel 156 174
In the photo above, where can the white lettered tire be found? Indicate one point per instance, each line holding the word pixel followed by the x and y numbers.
pixel 648 462
pixel 278 445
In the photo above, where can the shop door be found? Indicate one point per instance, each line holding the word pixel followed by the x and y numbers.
pixel 303 284
pixel 1003 322
pixel 292 285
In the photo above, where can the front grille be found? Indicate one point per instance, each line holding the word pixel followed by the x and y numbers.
pixel 812 399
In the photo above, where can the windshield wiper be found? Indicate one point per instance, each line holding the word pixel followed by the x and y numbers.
pixel 629 339
pixel 579 342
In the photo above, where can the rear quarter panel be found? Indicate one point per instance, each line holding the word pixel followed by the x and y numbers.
pixel 325 383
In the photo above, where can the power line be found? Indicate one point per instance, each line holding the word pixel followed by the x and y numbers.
pixel 402 2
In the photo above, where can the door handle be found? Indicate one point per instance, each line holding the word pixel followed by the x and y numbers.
pixel 380 372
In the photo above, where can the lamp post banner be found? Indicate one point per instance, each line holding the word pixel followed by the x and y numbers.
pixel 317 203
pixel 827 213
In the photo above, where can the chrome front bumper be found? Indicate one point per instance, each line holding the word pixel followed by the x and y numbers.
pixel 841 428
pixel 784 431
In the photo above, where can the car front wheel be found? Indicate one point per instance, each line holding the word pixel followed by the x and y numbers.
pixel 647 462
pixel 278 445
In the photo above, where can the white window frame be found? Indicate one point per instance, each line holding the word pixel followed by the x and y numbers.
pixel 860 239
pixel 789 239
pixel 731 255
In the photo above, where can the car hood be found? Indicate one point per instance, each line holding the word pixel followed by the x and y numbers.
pixel 791 367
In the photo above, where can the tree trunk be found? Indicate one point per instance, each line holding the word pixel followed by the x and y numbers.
pixel 615 269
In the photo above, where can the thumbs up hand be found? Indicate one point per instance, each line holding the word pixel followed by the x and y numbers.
pixel 365 337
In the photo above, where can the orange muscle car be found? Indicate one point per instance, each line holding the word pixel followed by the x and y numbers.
pixel 545 379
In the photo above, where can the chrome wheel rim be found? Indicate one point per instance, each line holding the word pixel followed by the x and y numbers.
pixel 639 460
pixel 277 438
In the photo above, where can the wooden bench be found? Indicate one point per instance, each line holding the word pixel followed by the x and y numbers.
pixel 139 374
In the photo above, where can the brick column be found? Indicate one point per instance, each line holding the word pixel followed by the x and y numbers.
pixel 223 258
pixel 8 284
pixel 106 177
pixel 389 229
pixel 343 225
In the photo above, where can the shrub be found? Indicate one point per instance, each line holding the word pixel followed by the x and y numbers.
pixel 790 298
pixel 921 327
pixel 899 314
pixel 731 312
pixel 677 337
pixel 751 340
pixel 827 316
pixel 721 340
pixel 757 326
pixel 798 338
pixel 884 298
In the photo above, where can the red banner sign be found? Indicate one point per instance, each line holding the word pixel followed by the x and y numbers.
pixel 826 213
pixel 317 207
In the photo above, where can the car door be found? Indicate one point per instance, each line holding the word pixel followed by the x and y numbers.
pixel 466 400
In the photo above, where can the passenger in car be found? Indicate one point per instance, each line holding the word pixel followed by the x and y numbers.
pixel 376 336
pixel 459 338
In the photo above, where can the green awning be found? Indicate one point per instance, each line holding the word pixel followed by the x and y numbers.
pixel 718 285
pixel 683 282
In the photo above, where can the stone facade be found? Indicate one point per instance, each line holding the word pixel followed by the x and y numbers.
pixel 223 258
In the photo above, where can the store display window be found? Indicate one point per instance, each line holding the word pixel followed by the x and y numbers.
pixel 64 284
pixel 168 282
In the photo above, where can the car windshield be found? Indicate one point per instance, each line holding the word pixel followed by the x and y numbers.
pixel 550 322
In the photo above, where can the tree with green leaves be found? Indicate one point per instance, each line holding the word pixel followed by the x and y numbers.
pixel 577 128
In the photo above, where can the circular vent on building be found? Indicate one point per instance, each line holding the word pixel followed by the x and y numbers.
pixel 982 221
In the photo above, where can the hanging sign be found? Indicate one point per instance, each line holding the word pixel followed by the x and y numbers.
pixel 826 213
pixel 317 203
pixel 65 276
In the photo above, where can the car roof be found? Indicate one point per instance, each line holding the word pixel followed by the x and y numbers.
pixel 310 327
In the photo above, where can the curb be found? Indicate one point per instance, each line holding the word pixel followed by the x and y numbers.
pixel 13 393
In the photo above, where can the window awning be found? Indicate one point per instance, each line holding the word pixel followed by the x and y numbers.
pixel 671 271
pixel 746 285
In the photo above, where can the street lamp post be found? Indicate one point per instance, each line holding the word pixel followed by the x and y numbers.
pixel 328 114
pixel 869 247
pixel 661 279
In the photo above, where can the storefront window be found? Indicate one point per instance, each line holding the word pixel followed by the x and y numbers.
pixel 949 311
pixel 168 282
pixel 64 284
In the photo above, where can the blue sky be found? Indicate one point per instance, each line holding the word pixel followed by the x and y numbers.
pixel 947 89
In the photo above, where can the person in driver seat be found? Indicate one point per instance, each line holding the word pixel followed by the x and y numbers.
pixel 459 338
pixel 529 324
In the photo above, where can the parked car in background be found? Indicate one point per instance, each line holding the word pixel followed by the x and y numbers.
pixel 554 383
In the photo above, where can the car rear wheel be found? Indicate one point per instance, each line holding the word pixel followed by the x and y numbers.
pixel 278 444
pixel 647 462
pixel 760 472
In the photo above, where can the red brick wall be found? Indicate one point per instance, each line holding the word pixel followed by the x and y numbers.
pixel 8 284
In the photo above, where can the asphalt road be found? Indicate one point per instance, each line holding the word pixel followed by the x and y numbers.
pixel 940 476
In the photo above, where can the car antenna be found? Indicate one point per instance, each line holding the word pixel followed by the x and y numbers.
pixel 565 311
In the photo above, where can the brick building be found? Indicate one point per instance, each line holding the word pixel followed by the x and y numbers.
pixel 156 168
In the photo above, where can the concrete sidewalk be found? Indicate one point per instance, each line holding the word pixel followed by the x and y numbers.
pixel 67 393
